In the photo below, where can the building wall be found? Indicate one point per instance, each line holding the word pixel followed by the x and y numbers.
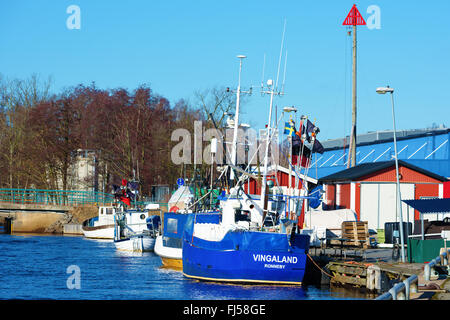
pixel 344 201
pixel 406 175
pixel 283 180
pixel 425 186
pixel 330 196
pixel 446 189
pixel 425 190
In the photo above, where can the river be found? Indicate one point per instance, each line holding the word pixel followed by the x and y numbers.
pixel 35 267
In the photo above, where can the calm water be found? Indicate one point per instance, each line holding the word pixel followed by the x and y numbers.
pixel 35 267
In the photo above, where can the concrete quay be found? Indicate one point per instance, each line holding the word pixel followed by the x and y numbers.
pixel 39 218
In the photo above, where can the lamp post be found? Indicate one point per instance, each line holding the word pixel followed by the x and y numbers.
pixel 383 90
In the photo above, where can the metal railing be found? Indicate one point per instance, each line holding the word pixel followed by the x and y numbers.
pixel 442 260
pixel 54 197
pixel 402 290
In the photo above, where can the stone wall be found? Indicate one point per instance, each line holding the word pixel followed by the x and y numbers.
pixel 75 216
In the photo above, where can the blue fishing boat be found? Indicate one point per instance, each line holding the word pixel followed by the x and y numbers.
pixel 245 256
pixel 254 242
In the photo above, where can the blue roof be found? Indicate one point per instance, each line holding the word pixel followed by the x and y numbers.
pixel 430 205
pixel 430 152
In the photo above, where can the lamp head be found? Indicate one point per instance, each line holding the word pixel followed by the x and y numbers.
pixel 383 90
pixel 290 109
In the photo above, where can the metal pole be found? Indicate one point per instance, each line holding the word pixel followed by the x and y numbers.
pixel 353 133
pixel 290 175
pixel 398 198
pixel 266 153
pixel 211 196
pixel 421 224
pixel 236 120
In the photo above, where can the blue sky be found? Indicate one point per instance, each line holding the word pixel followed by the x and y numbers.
pixel 179 47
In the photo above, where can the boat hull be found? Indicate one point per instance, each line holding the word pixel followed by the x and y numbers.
pixel 136 244
pixel 243 266
pixel 246 256
pixel 101 232
pixel 176 264
pixel 170 257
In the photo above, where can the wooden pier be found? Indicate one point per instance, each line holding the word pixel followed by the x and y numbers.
pixel 376 273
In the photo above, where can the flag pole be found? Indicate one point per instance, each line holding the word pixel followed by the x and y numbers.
pixel 353 18
pixel 353 134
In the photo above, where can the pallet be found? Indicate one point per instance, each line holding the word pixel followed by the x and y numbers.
pixel 357 232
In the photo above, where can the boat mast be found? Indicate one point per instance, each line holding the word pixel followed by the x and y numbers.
pixel 266 153
pixel 236 119
pixel 272 90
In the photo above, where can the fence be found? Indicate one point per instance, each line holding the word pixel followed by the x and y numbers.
pixel 54 197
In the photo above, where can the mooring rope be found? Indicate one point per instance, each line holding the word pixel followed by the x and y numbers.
pixel 318 266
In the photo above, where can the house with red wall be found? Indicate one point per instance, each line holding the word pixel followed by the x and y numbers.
pixel 369 189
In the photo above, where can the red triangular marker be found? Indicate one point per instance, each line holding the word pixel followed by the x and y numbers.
pixel 354 18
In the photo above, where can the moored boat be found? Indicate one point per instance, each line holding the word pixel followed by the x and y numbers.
pixel 102 226
pixel 136 243
pixel 242 251
pixel 256 242
pixel 168 243
pixel 136 231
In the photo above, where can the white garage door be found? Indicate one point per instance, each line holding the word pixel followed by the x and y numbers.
pixel 378 203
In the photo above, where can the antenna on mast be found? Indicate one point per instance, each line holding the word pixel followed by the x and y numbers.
pixel 281 54
pixel 284 73
pixel 263 69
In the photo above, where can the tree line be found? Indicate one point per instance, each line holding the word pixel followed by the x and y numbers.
pixel 129 132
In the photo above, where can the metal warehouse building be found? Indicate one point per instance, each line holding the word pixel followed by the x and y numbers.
pixel 424 148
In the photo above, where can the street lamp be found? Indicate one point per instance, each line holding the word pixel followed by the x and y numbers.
pixel 383 90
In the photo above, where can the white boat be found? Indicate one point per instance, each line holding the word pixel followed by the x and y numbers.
pixel 136 243
pixel 136 230
pixel 102 226
pixel 168 245
pixel 169 248
pixel 170 256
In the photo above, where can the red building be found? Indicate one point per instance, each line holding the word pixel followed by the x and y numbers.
pixel 369 189
pixel 280 176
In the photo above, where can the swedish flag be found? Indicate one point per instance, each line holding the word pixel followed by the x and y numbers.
pixel 289 128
